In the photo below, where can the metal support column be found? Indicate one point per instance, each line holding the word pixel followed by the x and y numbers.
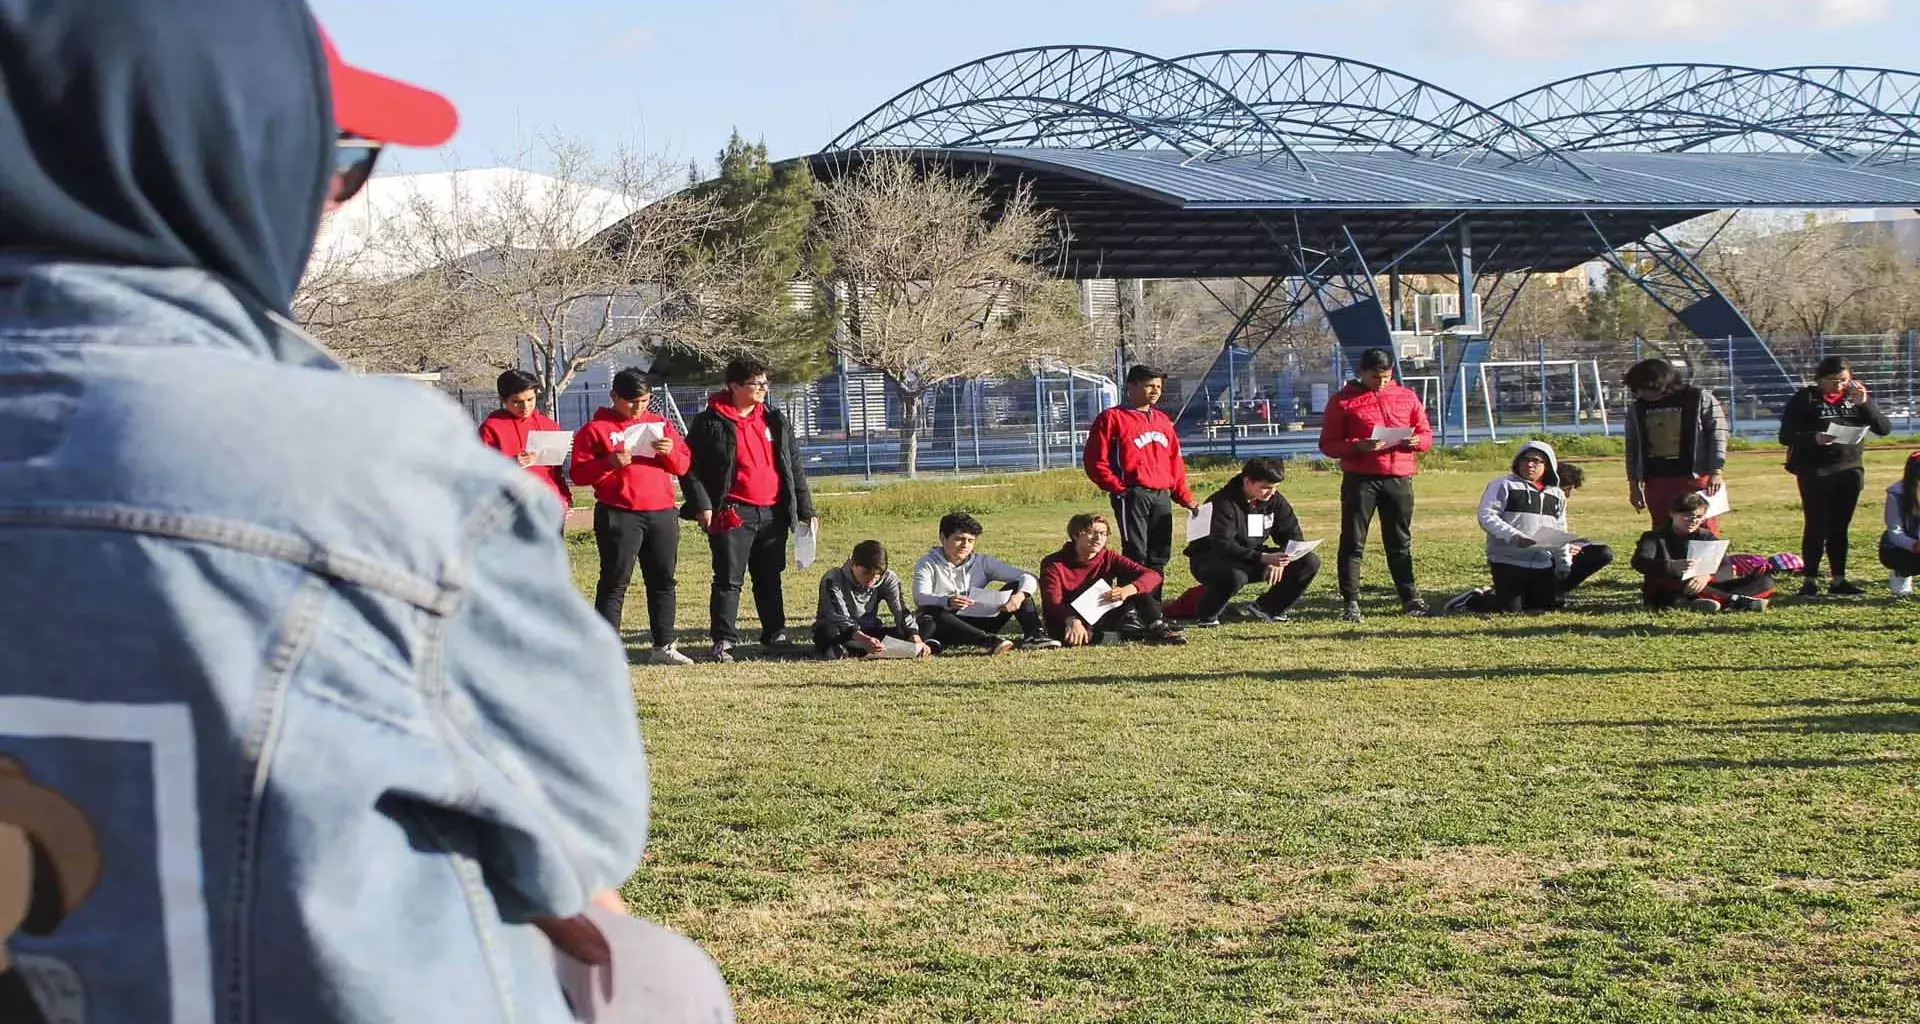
pixel 1469 316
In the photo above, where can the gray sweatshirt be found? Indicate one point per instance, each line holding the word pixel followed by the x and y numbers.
pixel 844 603
pixel 935 579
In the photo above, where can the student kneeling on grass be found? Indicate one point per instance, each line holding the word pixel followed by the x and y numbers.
pixel 1085 561
pixel 946 574
pixel 1528 575
pixel 1661 557
pixel 1249 514
pixel 848 623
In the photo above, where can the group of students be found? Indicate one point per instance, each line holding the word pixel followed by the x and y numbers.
pixel 745 484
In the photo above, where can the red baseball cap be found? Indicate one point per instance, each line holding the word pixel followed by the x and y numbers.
pixel 385 110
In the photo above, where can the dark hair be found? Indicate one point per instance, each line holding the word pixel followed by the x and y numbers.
pixel 631 383
pixel 1141 373
pixel 1572 477
pixel 870 554
pixel 1265 470
pixel 959 522
pixel 740 371
pixel 1084 521
pixel 514 382
pixel 1832 366
pixel 1691 501
pixel 45 907
pixel 1910 488
pixel 1651 375
pixel 1376 359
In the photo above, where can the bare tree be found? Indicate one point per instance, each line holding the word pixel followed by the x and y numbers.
pixel 942 279
pixel 553 272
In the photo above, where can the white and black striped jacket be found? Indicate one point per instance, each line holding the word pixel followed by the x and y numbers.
pixel 1512 509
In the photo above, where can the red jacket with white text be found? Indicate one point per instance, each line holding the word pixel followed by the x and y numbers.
pixel 644 485
pixel 1136 448
pixel 507 434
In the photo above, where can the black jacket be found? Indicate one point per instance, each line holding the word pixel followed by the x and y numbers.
pixel 713 443
pixel 1807 415
pixel 1228 538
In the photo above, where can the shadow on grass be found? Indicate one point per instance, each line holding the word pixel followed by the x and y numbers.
pixel 1774 763
pixel 1701 626
pixel 1296 675
pixel 1863 723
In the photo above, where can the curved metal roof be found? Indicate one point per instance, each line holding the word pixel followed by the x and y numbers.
pixel 1118 139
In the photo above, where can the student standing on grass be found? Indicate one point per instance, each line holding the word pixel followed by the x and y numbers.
pixel 1830 475
pixel 1133 454
pixel 748 488
pixel 1676 440
pixel 1661 558
pixel 505 429
pixel 1900 545
pixel 633 512
pixel 1247 541
pixel 847 623
pixel 947 573
pixel 1084 561
pixel 307 657
pixel 1376 476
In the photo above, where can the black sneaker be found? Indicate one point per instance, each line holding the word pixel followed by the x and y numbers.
pixel 1810 588
pixel 1351 613
pixel 1845 588
pixel 1748 604
pixel 1162 633
pixel 1461 603
pixel 1416 608
pixel 778 638
pixel 1038 643
pixel 723 652
pixel 1206 623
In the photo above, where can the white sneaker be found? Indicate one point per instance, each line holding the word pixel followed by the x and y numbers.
pixel 668 656
pixel 1902 586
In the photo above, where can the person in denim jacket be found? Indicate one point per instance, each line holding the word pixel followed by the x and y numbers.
pixel 304 657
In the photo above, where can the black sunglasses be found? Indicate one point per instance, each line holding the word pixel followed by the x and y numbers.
pixel 353 160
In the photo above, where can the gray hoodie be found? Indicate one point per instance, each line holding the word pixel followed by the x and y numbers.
pixel 935 579
pixel 1512 509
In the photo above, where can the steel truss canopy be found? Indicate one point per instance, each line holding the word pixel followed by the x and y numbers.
pixel 1196 166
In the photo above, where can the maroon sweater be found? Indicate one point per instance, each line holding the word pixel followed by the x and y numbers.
pixel 1062 578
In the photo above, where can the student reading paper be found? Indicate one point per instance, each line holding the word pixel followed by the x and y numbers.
pixel 1084 563
pixel 1683 565
pixel 950 589
pixel 1254 536
pixel 1824 427
pixel 847 624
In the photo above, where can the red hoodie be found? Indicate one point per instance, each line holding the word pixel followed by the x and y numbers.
pixel 506 433
pixel 1355 411
pixel 1062 579
pixel 1136 448
pixel 756 480
pixel 645 484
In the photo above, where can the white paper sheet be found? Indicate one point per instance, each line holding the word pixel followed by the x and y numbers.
pixel 806 545
pixel 654 975
pixel 1717 504
pixel 549 447
pixel 1296 548
pixel 1392 435
pixel 1553 537
pixel 1092 604
pixel 986 602
pixel 640 437
pixel 1199 522
pixel 894 647
pixel 1704 557
pixel 1258 525
pixel 1843 434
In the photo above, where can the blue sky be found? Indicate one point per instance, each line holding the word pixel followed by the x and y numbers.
pixel 676 77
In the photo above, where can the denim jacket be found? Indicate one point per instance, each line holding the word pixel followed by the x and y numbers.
pixel 301 716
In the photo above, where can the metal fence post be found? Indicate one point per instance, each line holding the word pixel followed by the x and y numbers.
pixel 866 429
pixel 1819 345
pixel 1733 391
pixel 1073 422
pixel 1440 380
pixel 1039 422
pixel 1542 343
pixel 978 392
pixel 1233 405
pixel 1912 335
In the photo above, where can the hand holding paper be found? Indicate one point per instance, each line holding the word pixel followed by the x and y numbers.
pixel 548 447
pixel 1093 605
pixel 1553 537
pixel 1390 436
pixel 806 544
pixel 1200 522
pixel 986 604
pixel 892 647
pixel 1717 503
pixel 640 437
pixel 1704 558
pixel 1296 548
pixel 1842 434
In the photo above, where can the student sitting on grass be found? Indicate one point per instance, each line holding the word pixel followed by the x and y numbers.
pixel 946 574
pixel 848 623
pixel 1900 545
pixel 1529 575
pixel 1084 561
pixel 1247 541
pixel 1661 557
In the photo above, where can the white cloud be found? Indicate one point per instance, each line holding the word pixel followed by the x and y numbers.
pixel 1551 28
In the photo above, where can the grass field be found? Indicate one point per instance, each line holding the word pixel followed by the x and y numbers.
pixel 1599 815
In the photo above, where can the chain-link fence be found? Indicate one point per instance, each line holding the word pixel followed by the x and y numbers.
pixel 1270 403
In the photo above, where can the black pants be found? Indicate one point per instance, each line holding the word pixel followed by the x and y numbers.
pixel 757 546
pixel 1144 605
pixel 1222 578
pixel 827 641
pixel 1145 520
pixel 1392 496
pixel 1517 588
pixel 1591 559
pixel 1898 560
pixel 952 629
pixel 1667 593
pixel 1826 505
pixel 653 538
